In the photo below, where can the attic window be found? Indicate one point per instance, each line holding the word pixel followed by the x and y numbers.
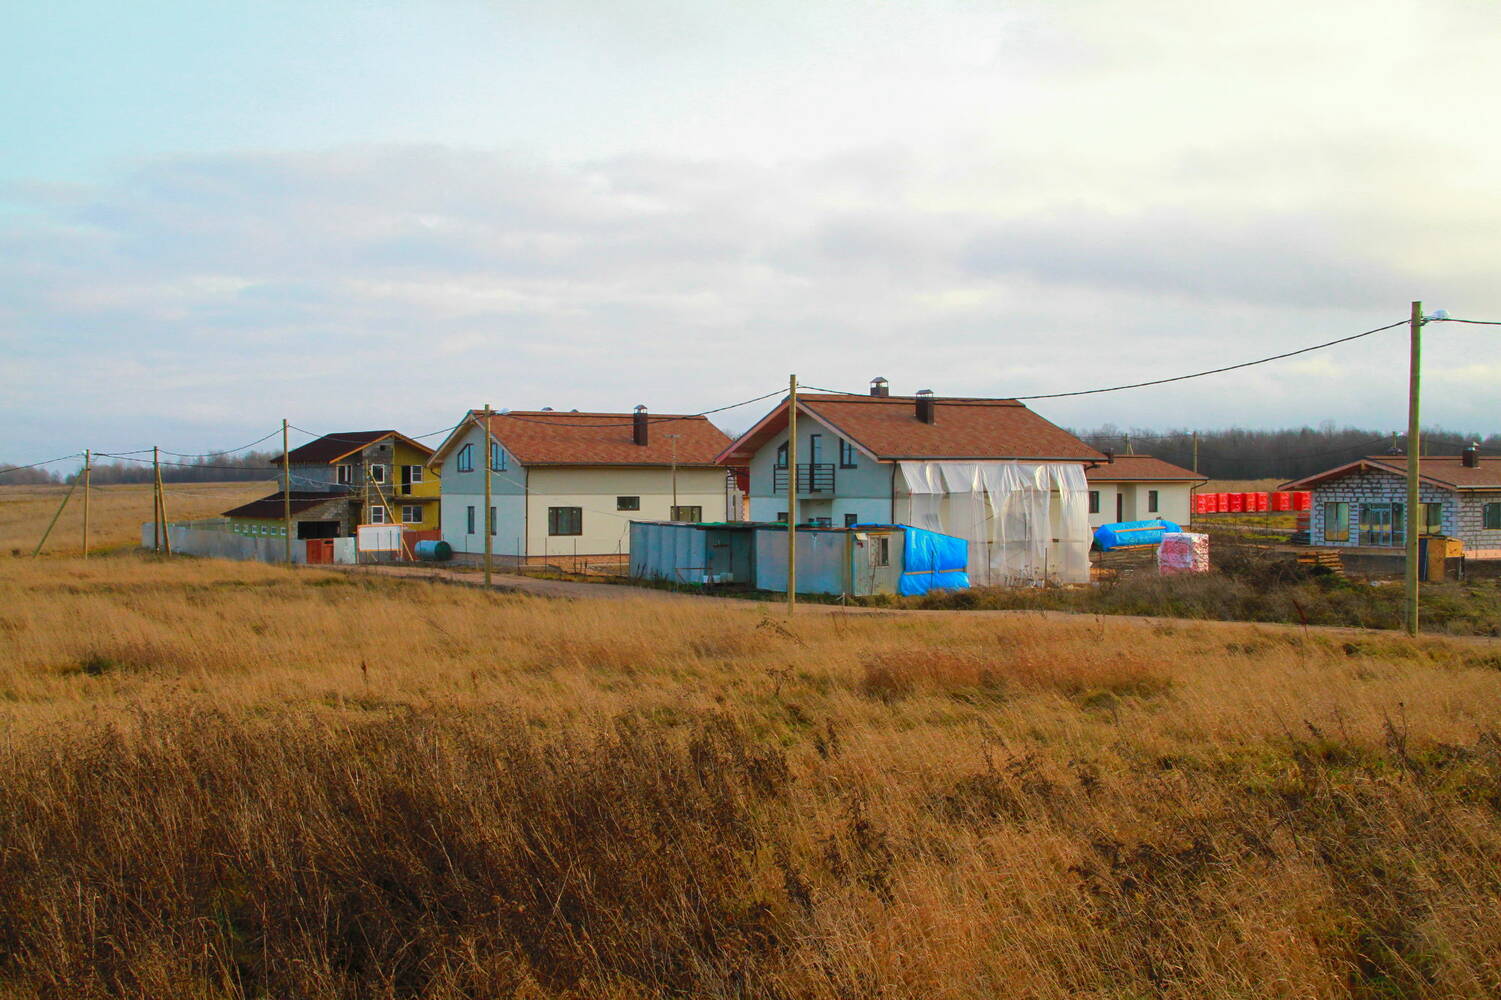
pixel 464 461
pixel 345 475
pixel 782 455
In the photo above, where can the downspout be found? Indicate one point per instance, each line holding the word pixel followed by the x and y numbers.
pixel 892 491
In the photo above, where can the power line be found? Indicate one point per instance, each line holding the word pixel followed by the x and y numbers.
pixel 551 421
pixel 38 465
pixel 1473 322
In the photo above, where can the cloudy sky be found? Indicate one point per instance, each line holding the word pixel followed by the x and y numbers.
pixel 377 213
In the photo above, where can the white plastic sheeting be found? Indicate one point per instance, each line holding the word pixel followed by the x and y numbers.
pixel 1026 522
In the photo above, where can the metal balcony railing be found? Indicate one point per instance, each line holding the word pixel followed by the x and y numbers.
pixel 812 477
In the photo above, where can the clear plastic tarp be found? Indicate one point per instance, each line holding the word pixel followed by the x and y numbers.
pixel 1025 522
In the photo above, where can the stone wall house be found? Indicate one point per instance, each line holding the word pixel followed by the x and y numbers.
pixel 1363 503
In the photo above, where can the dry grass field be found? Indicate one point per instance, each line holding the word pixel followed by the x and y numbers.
pixel 232 780
pixel 116 513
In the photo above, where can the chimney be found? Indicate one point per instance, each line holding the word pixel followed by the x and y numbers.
pixel 1471 455
pixel 638 426
pixel 1109 457
pixel 880 387
pixel 925 405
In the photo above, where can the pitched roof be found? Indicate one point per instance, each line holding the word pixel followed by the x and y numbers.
pixel 272 507
pixel 332 447
pixel 550 437
pixel 1131 468
pixel 1448 471
pixel 887 428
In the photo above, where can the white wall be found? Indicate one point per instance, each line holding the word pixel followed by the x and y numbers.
pixel 1174 502
pixel 510 528
pixel 594 489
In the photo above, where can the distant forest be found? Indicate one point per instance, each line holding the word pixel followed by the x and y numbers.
pixel 1280 454
pixel 245 467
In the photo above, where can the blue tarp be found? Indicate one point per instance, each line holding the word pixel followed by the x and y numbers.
pixel 1113 536
pixel 931 561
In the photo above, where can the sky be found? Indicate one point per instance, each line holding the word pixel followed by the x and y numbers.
pixel 378 214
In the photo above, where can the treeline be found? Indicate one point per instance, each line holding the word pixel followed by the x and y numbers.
pixel 244 467
pixel 1288 453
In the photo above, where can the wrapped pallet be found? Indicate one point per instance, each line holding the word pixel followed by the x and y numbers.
pixel 1183 552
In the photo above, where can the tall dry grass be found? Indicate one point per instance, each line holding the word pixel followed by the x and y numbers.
pixel 116 513
pixel 226 780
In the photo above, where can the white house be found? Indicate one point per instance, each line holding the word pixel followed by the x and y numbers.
pixel 566 486
pixel 1140 488
pixel 1363 503
pixel 987 470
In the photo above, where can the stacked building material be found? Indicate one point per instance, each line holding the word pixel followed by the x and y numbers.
pixel 1183 552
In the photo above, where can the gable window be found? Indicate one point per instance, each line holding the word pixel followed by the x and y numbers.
pixel 627 503
pixel 815 449
pixel 1152 501
pixel 497 457
pixel 565 520
pixel 1094 501
pixel 1490 516
pixel 344 475
pixel 846 454
pixel 687 514
pixel 377 473
pixel 411 513
pixel 782 455
pixel 377 515
pixel 1336 522
pixel 469 519
pixel 464 462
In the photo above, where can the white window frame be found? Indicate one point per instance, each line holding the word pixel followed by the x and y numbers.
pixel 407 512
pixel 378 472
pixel 377 514
pixel 344 474
pixel 414 474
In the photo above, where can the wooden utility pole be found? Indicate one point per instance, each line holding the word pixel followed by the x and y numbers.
pixel 286 489
pixel 88 468
pixel 489 518
pixel 791 495
pixel 161 502
pixel 156 501
pixel 1415 367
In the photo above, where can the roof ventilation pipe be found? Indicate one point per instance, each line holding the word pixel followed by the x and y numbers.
pixel 1109 456
pixel 925 406
pixel 880 387
pixel 1471 455
pixel 638 426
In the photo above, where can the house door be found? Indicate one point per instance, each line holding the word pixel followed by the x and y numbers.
pixel 1382 524
pixel 1120 506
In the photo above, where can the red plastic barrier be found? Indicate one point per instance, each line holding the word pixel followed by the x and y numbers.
pixel 1262 505
pixel 1302 500
pixel 1201 503
pixel 1282 500
pixel 1222 503
pixel 1237 503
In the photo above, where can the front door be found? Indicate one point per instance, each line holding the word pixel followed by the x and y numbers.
pixel 1120 507
pixel 1381 524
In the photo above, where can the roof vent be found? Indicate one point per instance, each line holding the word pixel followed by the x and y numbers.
pixel 1471 455
pixel 1109 456
pixel 925 406
pixel 880 387
pixel 638 426
pixel 546 409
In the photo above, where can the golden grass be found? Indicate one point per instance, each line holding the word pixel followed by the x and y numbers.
pixel 239 780
pixel 116 513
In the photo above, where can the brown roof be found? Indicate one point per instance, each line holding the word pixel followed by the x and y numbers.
pixel 887 428
pixel 1131 468
pixel 272 507
pixel 547 437
pixel 332 447
pixel 1448 471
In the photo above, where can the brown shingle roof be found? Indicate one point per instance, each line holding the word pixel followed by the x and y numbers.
pixel 330 447
pixel 272 507
pixel 1131 468
pixel 887 427
pixel 545 437
pixel 1448 471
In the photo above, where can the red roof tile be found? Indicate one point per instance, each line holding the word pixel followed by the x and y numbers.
pixel 547 437
pixel 1132 468
pixel 1441 470
pixel 887 427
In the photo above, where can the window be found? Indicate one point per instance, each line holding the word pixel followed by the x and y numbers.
pixel 627 503
pixel 493 523
pixel 1094 501
pixel 850 520
pixel 1433 519
pixel 821 522
pixel 344 475
pixel 565 520
pixel 883 550
pixel 378 473
pixel 469 519
pixel 687 514
pixel 782 455
pixel 497 457
pixel 411 513
pixel 815 448
pixel 1336 522
pixel 465 460
pixel 1151 501
pixel 414 473
pixel 782 516
pixel 1381 524
pixel 846 454
pixel 377 515
pixel 1490 516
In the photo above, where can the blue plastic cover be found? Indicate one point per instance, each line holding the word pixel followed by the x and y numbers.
pixel 931 561
pixel 1114 536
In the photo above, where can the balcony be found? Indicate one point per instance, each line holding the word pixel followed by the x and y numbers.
pixel 812 478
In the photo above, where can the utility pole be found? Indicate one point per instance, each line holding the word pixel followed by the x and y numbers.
pixel 161 502
pixel 1196 451
pixel 791 495
pixel 489 517
pixel 1128 445
pixel 286 489
pixel 88 468
pixel 1413 377
pixel 156 501
pixel 674 439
